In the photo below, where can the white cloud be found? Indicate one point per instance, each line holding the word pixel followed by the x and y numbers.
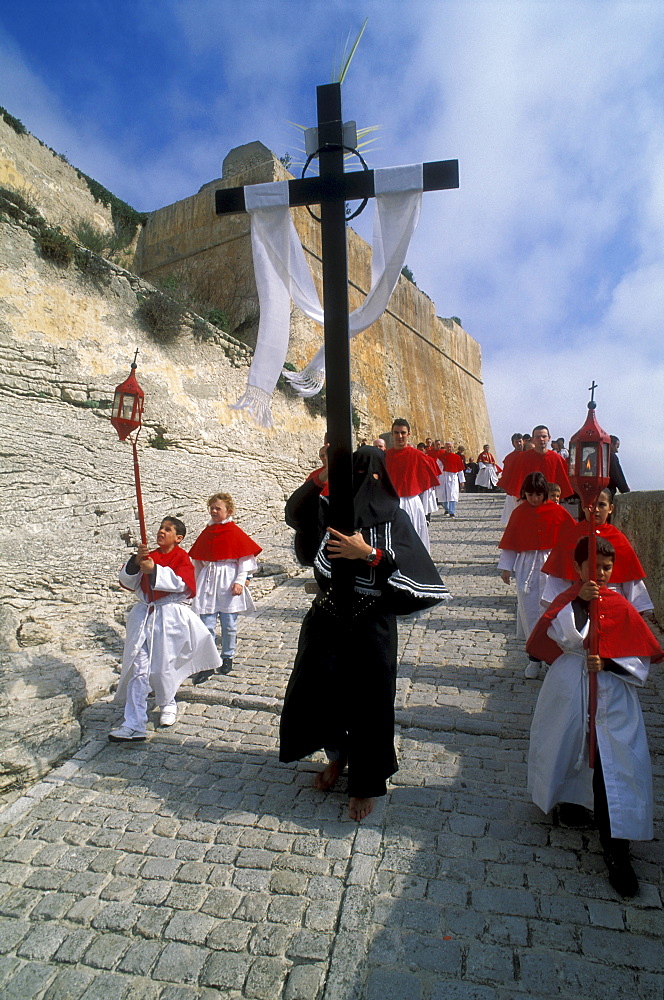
pixel 550 251
pixel 540 387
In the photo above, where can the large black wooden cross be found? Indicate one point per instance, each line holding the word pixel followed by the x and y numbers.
pixel 331 190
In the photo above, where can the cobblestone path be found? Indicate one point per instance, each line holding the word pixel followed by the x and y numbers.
pixel 197 866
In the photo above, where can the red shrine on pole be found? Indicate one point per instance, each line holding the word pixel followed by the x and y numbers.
pixel 589 456
pixel 126 417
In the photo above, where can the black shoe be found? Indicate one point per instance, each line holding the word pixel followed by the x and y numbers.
pixel 571 814
pixel 226 665
pixel 201 677
pixel 621 874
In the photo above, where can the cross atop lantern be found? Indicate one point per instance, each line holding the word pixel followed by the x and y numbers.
pixel 128 404
pixel 126 417
pixel 589 457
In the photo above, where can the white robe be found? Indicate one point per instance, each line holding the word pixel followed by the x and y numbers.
pixel 448 485
pixel 214 581
pixel 487 476
pixel 415 510
pixel 558 768
pixel 428 498
pixel 530 581
pixel 635 591
pixel 178 642
pixel 508 507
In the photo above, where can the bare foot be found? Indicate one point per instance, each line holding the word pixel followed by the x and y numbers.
pixel 359 808
pixel 326 778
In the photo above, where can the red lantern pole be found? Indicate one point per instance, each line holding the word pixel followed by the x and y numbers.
pixel 593 640
pixel 126 418
pixel 139 495
pixel 589 473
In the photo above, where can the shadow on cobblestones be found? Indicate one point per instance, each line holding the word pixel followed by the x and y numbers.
pixel 195 866
pixel 477 896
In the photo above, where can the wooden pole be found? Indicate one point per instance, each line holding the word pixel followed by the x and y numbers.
pixel 593 641
pixel 139 496
pixel 335 307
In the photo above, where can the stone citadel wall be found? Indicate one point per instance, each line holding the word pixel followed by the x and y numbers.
pixel 67 505
pixel 411 362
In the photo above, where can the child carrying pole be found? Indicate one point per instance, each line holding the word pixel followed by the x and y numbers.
pixel 166 641
pixel 619 788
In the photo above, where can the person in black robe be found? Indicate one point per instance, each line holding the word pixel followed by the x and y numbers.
pixel 341 692
pixel 617 481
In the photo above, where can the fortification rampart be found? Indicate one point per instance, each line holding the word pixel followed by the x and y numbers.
pixel 410 362
pixel 641 516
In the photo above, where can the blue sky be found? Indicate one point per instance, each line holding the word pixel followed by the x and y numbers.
pixel 552 250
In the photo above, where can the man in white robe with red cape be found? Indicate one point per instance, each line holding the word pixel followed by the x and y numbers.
pixel 450 478
pixel 411 474
pixel 538 459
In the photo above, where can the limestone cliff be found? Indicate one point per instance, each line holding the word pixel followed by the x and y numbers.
pixel 68 504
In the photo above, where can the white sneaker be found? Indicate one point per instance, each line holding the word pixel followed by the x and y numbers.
pixel 168 717
pixel 126 735
pixel 532 670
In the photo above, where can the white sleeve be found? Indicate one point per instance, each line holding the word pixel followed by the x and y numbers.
pixel 169 581
pixel 199 566
pixel 507 560
pixel 461 476
pixel 637 594
pixel 131 581
pixel 554 585
pixel 245 565
pixel 636 666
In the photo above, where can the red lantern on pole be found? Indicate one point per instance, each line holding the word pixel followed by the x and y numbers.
pixel 126 417
pixel 589 457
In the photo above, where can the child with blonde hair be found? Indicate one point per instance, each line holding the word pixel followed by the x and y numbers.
pixel 223 557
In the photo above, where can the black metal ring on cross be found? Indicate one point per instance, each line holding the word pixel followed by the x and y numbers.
pixel 349 149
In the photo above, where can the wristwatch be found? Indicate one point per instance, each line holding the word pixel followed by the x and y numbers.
pixel 370 556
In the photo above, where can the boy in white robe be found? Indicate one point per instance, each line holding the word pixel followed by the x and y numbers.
pixel 619 788
pixel 166 641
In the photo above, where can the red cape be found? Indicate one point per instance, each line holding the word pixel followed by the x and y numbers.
pixel 534 527
pixel 508 462
pixel 433 464
pixel 450 461
pixel 177 560
pixel 623 631
pixel 550 464
pixel 223 541
pixel 561 561
pixel 314 475
pixel 410 471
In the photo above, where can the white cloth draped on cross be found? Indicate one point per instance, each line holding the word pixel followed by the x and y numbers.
pixel 282 274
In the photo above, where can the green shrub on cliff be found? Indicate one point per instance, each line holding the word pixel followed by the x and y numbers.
pixel 161 315
pixel 55 245
pixel 14 123
pixel 125 218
